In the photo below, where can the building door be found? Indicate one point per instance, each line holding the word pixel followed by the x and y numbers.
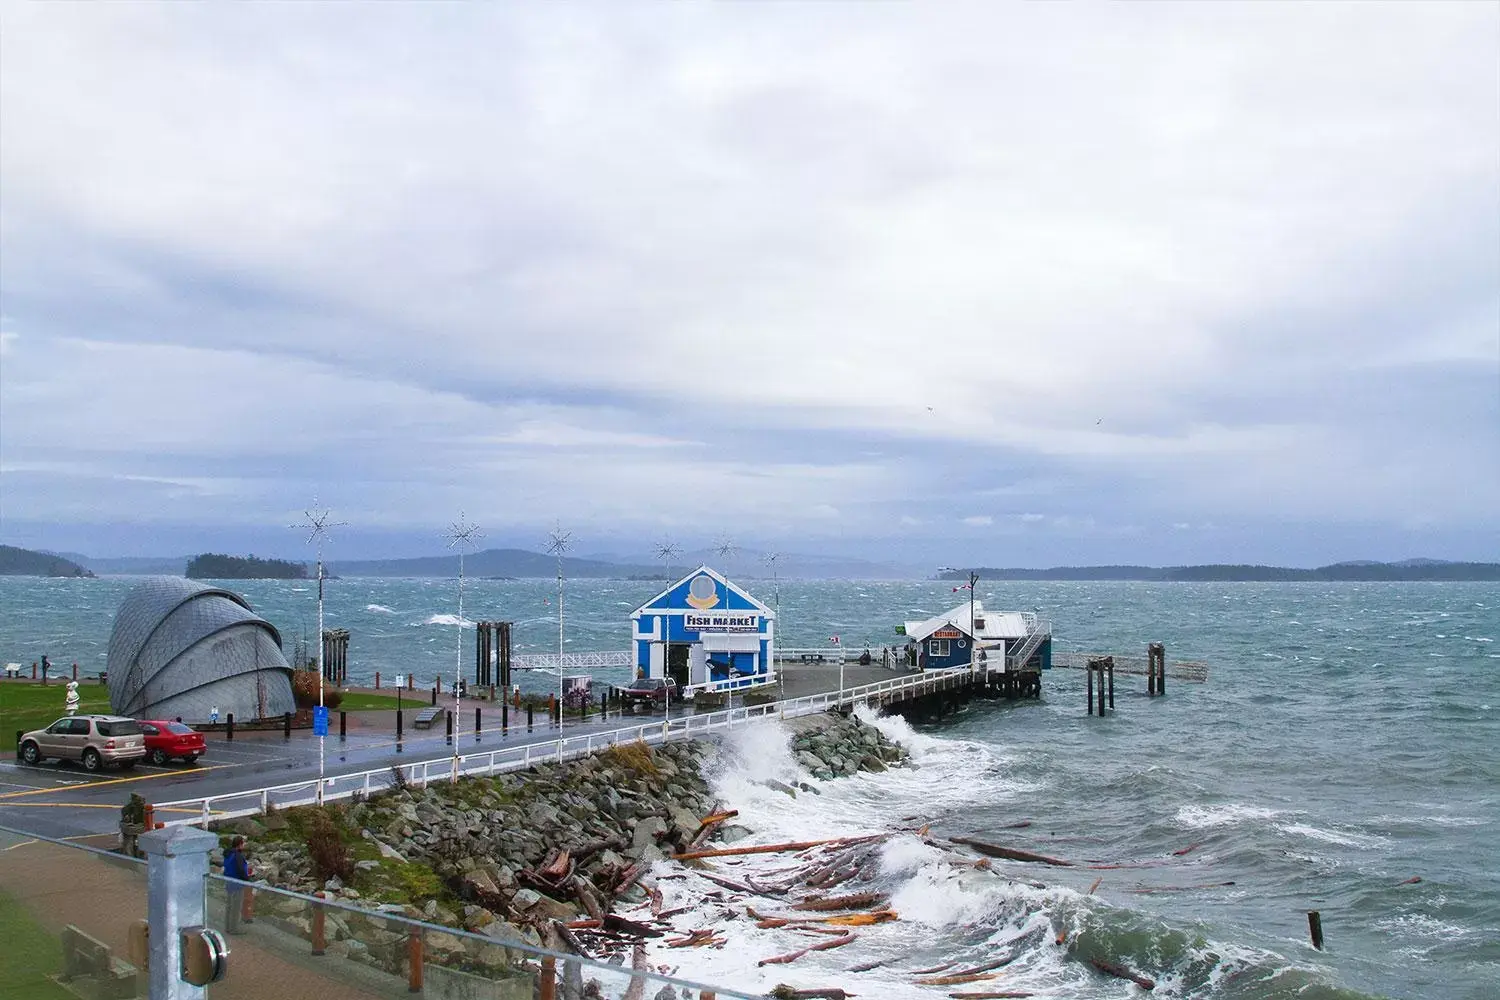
pixel 677 662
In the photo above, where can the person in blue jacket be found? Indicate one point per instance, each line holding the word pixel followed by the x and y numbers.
pixel 236 867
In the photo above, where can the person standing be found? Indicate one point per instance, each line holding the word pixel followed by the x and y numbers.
pixel 236 872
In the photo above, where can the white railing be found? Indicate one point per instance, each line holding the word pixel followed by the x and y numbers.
pixel 1037 631
pixel 572 661
pixel 254 802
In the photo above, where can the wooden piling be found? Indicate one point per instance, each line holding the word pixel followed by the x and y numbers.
pixel 319 926
pixel 1315 928
pixel 1109 662
pixel 414 960
pixel 1089 672
pixel 377 680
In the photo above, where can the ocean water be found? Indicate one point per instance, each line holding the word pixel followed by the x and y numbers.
pixel 1347 740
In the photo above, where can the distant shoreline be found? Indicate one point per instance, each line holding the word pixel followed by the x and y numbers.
pixel 1418 571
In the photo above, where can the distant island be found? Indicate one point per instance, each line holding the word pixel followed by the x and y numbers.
pixel 24 562
pixel 1409 570
pixel 213 566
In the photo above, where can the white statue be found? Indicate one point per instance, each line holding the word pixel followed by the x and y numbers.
pixel 72 701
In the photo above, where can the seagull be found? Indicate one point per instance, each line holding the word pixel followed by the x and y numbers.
pixel 1098 422
pixel 929 409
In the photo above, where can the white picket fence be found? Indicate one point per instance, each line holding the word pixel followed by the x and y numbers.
pixel 253 802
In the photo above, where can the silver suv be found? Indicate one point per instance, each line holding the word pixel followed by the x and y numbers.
pixel 93 740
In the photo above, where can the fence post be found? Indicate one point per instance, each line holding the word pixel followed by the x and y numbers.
pixel 176 862
pixel 319 925
pixel 414 960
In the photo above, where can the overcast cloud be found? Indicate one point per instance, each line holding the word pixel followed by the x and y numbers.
pixel 1020 285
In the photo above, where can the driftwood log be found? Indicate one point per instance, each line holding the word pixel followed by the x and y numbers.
pixel 1011 853
pixel 1120 972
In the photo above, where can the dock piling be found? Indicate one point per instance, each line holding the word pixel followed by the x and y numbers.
pixel 1315 928
pixel 1089 699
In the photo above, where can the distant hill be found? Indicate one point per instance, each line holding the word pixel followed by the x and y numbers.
pixel 1409 570
pixel 517 563
pixel 133 565
pixel 213 566
pixel 24 562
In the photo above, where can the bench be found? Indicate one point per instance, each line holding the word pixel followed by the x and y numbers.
pixel 427 717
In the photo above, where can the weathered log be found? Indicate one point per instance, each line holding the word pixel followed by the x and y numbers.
pixel 785 992
pixel 629 878
pixel 987 966
pixel 1095 885
pixel 1148 890
pixel 615 922
pixel 637 990
pixel 584 890
pixel 958 980
pixel 1011 853
pixel 1120 972
pixel 696 939
pixel 993 995
pixel 862 919
pixel 585 925
pixel 558 867
pixel 725 882
pixel 1411 881
pixel 1186 850
pixel 802 845
pixel 656 901
pixel 934 970
pixel 1018 826
pixel 792 956
pixel 854 901
pixel 867 966
pixel 563 931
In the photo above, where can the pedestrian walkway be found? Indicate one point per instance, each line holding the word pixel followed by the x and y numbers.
pixel 103 896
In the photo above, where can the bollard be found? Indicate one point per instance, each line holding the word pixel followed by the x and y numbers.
pixel 414 960
pixel 398 729
pixel 1315 928
pixel 434 695
pixel 529 718
pixel 33 671
pixel 1089 670
pixel 476 722
pixel 505 718
pixel 343 725
pixel 437 684
pixel 448 725
pixel 286 725
pixel 547 988
pixel 377 680
pixel 229 727
pixel 150 816
pixel 75 671
pixel 319 926
pixel 411 682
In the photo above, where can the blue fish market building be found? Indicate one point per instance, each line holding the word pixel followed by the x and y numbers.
pixel 707 634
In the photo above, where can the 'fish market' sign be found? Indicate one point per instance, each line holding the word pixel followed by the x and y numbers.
pixel 721 622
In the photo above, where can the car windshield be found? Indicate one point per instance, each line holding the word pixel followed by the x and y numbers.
pixel 118 727
pixel 178 729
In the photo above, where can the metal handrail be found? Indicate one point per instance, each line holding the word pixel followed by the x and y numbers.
pixel 343 786
pixel 573 661
pixel 1038 630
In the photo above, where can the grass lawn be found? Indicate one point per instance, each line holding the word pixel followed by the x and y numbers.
pixel 359 702
pixel 31 706
pixel 29 956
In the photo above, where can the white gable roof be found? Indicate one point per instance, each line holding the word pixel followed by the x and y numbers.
pixel 996 625
pixel 659 602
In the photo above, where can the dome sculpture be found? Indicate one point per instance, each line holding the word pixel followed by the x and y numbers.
pixel 180 648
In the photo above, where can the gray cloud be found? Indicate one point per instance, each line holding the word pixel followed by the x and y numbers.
pixel 812 272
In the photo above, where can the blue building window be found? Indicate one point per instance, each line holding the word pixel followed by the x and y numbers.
pixel 937 647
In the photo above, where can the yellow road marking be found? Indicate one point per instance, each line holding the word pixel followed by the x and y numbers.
pixel 81 836
pixel 62 805
pixel 113 781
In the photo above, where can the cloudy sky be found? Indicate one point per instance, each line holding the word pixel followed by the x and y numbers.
pixel 1016 285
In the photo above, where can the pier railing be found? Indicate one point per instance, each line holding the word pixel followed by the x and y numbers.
pixel 572 661
pixel 256 801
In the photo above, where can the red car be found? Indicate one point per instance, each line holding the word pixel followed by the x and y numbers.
pixel 165 740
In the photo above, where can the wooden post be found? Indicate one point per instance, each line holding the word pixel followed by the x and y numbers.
pixel 547 987
pixel 476 722
pixel 1110 663
pixel 377 680
pixel 437 685
pixel 319 926
pixel 1101 688
pixel 1315 928
pixel 434 694
pixel 414 960
pixel 247 905
pixel 343 725
pixel 229 727
pixel 1088 669
pixel 529 718
pixel 1161 669
pixel 286 725
pixel 504 717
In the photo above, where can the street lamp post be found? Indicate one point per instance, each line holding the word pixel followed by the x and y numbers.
pixel 461 535
pixel 317 523
pixel 558 544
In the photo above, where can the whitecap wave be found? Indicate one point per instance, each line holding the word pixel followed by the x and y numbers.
pixel 1342 838
pixel 447 620
pixel 380 609
pixel 1229 814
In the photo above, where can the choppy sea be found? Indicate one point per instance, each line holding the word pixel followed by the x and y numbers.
pixel 1346 742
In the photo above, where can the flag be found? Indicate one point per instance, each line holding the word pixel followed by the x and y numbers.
pixel 833 638
pixel 967 586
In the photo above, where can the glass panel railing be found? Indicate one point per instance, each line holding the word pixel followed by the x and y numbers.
pixel 285 944
pixel 72 918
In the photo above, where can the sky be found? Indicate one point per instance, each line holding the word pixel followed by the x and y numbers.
pixel 975 284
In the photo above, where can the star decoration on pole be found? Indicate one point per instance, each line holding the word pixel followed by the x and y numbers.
pixel 463 536
pixel 317 522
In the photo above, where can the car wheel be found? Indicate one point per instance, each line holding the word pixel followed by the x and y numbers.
pixel 31 753
pixel 159 757
pixel 91 760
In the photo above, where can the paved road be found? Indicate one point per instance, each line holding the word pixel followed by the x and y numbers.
pixel 62 800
